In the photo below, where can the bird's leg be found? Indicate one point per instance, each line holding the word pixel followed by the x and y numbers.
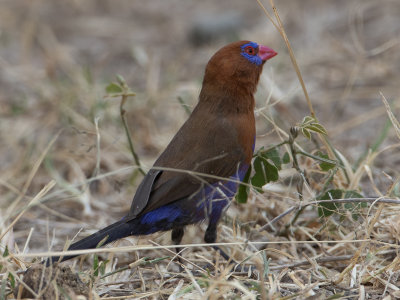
pixel 176 237
pixel 211 236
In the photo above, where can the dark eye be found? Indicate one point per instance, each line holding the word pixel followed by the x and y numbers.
pixel 250 50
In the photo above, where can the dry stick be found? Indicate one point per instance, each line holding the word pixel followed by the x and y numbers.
pixel 292 57
pixel 269 16
pixel 349 200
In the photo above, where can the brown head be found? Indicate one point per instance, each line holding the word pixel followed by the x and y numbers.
pixel 234 71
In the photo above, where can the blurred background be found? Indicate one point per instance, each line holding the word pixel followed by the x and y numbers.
pixel 56 58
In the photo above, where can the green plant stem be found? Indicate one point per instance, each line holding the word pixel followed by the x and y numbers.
pixel 326 160
pixel 337 156
pixel 128 135
pixel 292 137
pixel 273 147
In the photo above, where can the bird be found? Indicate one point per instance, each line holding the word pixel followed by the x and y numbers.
pixel 197 175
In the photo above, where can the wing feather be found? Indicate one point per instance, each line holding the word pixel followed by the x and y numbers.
pixel 214 150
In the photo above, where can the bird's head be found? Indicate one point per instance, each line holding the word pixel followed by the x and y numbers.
pixel 236 67
pixel 255 53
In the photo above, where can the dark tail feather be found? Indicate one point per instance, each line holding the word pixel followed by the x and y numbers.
pixel 109 234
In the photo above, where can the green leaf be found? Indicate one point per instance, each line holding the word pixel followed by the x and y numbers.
pixel 273 155
pixel 259 177
pixel 325 166
pixel 307 120
pixel 114 88
pixel 317 128
pixel 96 265
pixel 353 194
pixel 286 158
pixel 11 280
pixel 5 253
pixel 271 172
pixel 243 190
pixel 306 133
pixel 102 267
pixel 266 262
pixel 311 124
pixel 121 79
pixel 264 173
pixel 327 209
pixel 156 260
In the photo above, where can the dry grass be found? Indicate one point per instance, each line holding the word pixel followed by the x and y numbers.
pixel 65 175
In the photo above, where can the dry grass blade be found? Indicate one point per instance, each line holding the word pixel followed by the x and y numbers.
pixel 31 175
pixel 282 31
pixel 34 201
pixel 395 122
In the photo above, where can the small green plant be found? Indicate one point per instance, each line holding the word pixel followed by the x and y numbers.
pixel 267 163
pixel 121 89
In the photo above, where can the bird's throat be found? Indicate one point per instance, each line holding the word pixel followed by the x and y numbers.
pixel 233 99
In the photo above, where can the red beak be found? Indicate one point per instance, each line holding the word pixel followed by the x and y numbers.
pixel 265 52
